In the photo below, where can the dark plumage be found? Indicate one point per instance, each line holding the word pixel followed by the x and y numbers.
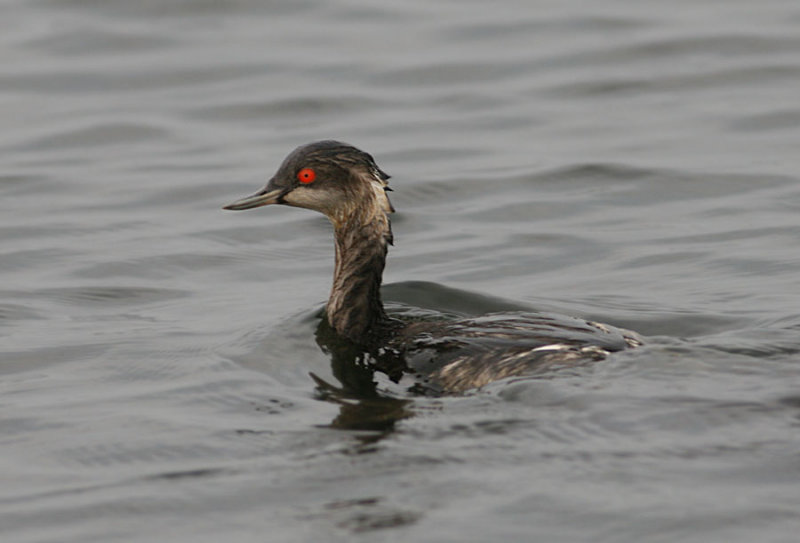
pixel 347 186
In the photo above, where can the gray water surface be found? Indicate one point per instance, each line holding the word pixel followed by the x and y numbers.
pixel 634 163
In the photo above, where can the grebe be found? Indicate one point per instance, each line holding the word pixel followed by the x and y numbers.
pixel 346 185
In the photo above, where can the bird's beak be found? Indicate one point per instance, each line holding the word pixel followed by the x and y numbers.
pixel 263 198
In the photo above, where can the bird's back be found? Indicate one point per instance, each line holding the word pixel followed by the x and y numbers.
pixel 454 356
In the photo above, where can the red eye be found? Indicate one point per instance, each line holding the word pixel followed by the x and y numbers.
pixel 306 175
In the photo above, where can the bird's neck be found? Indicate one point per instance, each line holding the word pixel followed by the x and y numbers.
pixel 355 309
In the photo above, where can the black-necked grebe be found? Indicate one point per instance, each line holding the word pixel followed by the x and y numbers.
pixel 345 184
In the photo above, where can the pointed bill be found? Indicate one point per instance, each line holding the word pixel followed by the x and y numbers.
pixel 262 198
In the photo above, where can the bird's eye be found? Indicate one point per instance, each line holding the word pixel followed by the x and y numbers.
pixel 306 176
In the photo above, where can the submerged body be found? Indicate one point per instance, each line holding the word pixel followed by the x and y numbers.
pixel 347 186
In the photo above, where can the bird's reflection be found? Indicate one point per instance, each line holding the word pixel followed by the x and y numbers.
pixel 361 404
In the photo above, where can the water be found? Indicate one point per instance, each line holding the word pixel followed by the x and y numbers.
pixel 630 162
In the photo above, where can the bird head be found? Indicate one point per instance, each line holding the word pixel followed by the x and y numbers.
pixel 330 177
